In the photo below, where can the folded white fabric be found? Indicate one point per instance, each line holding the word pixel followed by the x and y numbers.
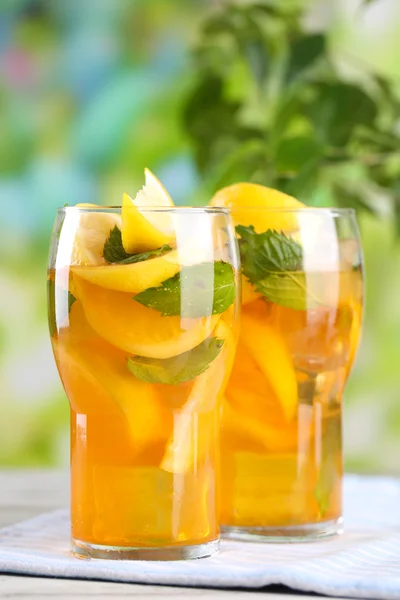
pixel 362 563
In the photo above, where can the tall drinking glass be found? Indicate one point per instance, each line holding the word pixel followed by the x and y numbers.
pixel 282 415
pixel 144 343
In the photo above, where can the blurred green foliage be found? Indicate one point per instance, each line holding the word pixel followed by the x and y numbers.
pixel 271 105
pixel 299 94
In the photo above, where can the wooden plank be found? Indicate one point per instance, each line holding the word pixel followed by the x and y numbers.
pixel 31 588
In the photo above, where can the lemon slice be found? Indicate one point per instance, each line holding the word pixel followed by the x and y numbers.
pixel 273 359
pixel 91 232
pixel 245 198
pixel 136 329
pixel 146 230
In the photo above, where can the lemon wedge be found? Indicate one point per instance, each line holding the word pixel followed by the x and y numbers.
pixel 146 230
pixel 91 231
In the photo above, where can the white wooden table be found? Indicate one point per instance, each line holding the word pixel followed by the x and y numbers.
pixel 26 493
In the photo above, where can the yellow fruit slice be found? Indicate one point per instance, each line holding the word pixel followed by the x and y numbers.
pixel 249 293
pixel 146 230
pixel 132 327
pixel 272 357
pixel 196 423
pixel 97 381
pixel 245 198
pixel 238 425
pixel 92 228
pixel 133 278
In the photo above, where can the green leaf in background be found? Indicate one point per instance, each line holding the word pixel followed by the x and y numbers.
pixel 261 79
pixel 114 250
pixel 197 291
pixel 177 369
pixel 303 53
pixel 294 152
pixel 337 110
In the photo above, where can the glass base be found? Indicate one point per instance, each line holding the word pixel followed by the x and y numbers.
pixel 86 550
pixel 295 533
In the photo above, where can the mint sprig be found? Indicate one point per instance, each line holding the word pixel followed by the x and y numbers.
pixel 196 291
pixel 177 369
pixel 263 253
pixel 114 251
pixel 273 263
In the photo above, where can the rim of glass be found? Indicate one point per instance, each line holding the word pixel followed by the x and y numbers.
pixel 330 210
pixel 218 209
pixel 177 209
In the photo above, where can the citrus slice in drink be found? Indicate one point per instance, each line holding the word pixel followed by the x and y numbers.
pixel 97 381
pixel 195 424
pixel 136 329
pixel 151 229
pixel 92 229
pixel 269 352
pixel 134 278
pixel 249 201
pixel 260 206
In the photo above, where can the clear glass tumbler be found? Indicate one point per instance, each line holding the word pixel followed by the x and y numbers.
pixel 302 308
pixel 144 343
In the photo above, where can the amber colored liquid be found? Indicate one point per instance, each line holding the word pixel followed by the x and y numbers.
pixel 281 425
pixel 143 456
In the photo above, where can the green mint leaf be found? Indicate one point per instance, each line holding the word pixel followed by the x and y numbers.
pixel 273 264
pixel 71 300
pixel 196 291
pixel 51 303
pixel 135 258
pixel 262 253
pixel 286 289
pixel 114 251
pixel 177 369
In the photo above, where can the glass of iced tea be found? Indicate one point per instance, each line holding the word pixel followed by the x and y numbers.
pixel 281 465
pixel 143 312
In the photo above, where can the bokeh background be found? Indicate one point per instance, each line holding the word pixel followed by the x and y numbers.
pixel 299 94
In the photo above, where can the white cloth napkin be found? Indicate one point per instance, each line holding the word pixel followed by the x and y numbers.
pixel 362 563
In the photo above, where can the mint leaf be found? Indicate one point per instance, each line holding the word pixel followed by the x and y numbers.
pixel 177 369
pixel 51 304
pixel 114 251
pixel 71 300
pixel 273 264
pixel 262 253
pixel 196 291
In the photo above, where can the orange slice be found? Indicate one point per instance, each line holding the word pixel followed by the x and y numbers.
pixel 97 380
pixel 136 329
